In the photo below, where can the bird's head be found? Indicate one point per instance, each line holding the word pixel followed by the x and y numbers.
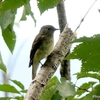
pixel 48 29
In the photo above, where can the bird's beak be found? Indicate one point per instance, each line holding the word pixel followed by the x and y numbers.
pixel 56 29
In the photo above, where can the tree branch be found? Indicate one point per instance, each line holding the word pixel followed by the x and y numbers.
pixel 61 15
pixel 65 64
pixel 84 16
pixel 50 66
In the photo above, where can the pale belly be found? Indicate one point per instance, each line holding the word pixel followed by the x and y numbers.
pixel 44 50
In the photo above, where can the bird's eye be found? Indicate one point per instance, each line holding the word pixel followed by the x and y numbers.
pixel 49 28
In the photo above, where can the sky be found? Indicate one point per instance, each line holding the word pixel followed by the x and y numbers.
pixel 26 31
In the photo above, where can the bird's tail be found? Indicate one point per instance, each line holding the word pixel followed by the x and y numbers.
pixel 30 63
pixel 34 69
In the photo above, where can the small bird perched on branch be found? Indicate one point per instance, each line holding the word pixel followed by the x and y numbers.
pixel 41 47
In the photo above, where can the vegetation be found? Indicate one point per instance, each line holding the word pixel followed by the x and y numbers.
pixel 87 52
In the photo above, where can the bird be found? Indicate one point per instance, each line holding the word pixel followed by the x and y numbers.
pixel 41 47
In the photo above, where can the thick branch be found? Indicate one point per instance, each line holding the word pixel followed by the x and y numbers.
pixel 48 69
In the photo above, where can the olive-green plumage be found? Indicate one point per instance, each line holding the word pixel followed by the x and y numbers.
pixel 41 47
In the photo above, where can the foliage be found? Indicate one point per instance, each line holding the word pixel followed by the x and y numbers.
pixel 87 51
pixel 8 11
pixel 46 4
pixel 50 89
pixel 66 88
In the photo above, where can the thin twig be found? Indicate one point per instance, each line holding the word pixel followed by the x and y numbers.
pixel 85 15
pixel 82 89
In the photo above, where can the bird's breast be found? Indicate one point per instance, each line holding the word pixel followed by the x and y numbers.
pixel 45 48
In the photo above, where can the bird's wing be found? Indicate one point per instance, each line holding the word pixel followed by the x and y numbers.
pixel 37 42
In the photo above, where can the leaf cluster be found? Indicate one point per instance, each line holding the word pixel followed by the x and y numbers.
pixel 88 51
pixel 58 90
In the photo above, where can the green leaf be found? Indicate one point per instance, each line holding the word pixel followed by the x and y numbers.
pixel 6 18
pixel 50 89
pixel 91 64
pixel 27 11
pixel 94 94
pixel 5 98
pixel 46 4
pixel 12 4
pixel 2 65
pixel 12 98
pixel 84 88
pixel 0 6
pixel 85 74
pixel 89 97
pixel 19 98
pixel 24 14
pixel 9 37
pixel 24 91
pixel 88 52
pixel 56 96
pixel 8 88
pixel 72 98
pixel 19 84
pixel 66 88
pixel 96 90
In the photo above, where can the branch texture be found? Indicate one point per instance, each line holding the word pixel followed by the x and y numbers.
pixel 61 15
pixel 65 64
pixel 48 69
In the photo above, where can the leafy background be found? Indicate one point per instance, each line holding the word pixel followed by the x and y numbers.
pixel 20 39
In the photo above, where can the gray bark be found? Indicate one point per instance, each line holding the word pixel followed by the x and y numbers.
pixel 65 64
